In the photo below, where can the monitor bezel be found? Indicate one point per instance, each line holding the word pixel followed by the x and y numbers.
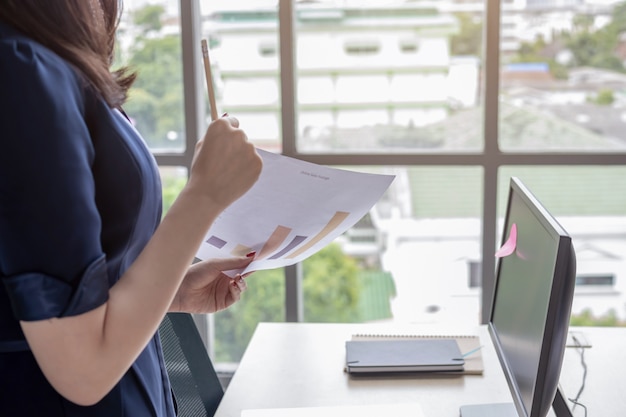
pixel 558 313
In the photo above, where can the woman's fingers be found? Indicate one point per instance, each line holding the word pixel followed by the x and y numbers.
pixel 225 164
pixel 239 283
pixel 232 120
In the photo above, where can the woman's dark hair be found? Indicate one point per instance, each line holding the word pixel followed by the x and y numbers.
pixel 80 31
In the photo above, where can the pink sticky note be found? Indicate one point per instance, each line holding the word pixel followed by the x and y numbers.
pixel 510 244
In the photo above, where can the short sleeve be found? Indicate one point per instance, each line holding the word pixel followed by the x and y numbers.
pixel 36 296
pixel 51 260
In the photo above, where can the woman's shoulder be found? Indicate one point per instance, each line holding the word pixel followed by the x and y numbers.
pixel 23 56
pixel 34 79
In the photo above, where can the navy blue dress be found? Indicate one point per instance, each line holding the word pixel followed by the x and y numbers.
pixel 80 196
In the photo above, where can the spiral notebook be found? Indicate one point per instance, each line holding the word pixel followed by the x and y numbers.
pixel 403 355
pixel 469 346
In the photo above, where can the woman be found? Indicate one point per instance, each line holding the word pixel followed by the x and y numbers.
pixel 87 266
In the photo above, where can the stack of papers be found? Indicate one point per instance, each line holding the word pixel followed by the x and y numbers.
pixel 293 210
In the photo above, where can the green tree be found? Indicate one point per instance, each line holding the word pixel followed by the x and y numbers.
pixel 331 294
pixel 172 186
pixel 331 287
pixel 159 62
pixel 596 48
pixel 582 22
pixel 532 51
pixel 586 318
pixel 537 51
pixel 618 19
pixel 148 18
pixel 605 97
pixel 469 40
pixel 588 46
pixel 156 99
pixel 264 301
pixel 141 107
pixel 157 95
pixel 169 116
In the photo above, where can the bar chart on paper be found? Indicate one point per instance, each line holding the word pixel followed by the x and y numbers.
pixel 278 237
pixel 295 209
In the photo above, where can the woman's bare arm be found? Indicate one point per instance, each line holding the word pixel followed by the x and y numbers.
pixel 84 356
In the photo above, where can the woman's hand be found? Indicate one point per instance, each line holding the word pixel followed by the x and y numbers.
pixel 206 289
pixel 225 165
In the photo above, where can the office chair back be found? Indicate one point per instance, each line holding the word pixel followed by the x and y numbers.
pixel 197 388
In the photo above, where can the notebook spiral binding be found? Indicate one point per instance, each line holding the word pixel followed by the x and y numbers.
pixel 420 336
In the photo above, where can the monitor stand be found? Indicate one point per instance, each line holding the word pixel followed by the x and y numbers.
pixel 559 405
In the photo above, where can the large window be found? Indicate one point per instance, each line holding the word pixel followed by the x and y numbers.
pixel 430 92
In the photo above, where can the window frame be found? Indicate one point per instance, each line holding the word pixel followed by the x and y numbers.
pixel 490 159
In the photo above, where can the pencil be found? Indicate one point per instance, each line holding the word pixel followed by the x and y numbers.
pixel 209 79
pixel 472 351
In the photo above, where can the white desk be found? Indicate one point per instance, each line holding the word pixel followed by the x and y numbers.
pixel 301 365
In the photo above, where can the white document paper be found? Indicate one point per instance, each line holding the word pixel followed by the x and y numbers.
pixel 293 210
pixel 372 410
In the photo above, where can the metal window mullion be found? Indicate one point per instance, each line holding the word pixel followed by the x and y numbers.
pixel 492 153
pixel 179 159
pixel 287 41
pixel 194 107
pixel 194 110
pixel 286 22
pixel 487 159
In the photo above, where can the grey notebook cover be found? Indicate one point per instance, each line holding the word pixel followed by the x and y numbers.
pixel 406 355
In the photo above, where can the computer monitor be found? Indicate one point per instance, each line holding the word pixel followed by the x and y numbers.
pixel 530 312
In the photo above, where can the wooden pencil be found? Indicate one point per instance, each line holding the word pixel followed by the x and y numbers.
pixel 209 79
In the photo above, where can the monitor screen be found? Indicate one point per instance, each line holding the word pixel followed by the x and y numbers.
pixel 534 287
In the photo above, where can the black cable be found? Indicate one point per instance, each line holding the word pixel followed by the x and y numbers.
pixel 581 351
pixel 580 404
